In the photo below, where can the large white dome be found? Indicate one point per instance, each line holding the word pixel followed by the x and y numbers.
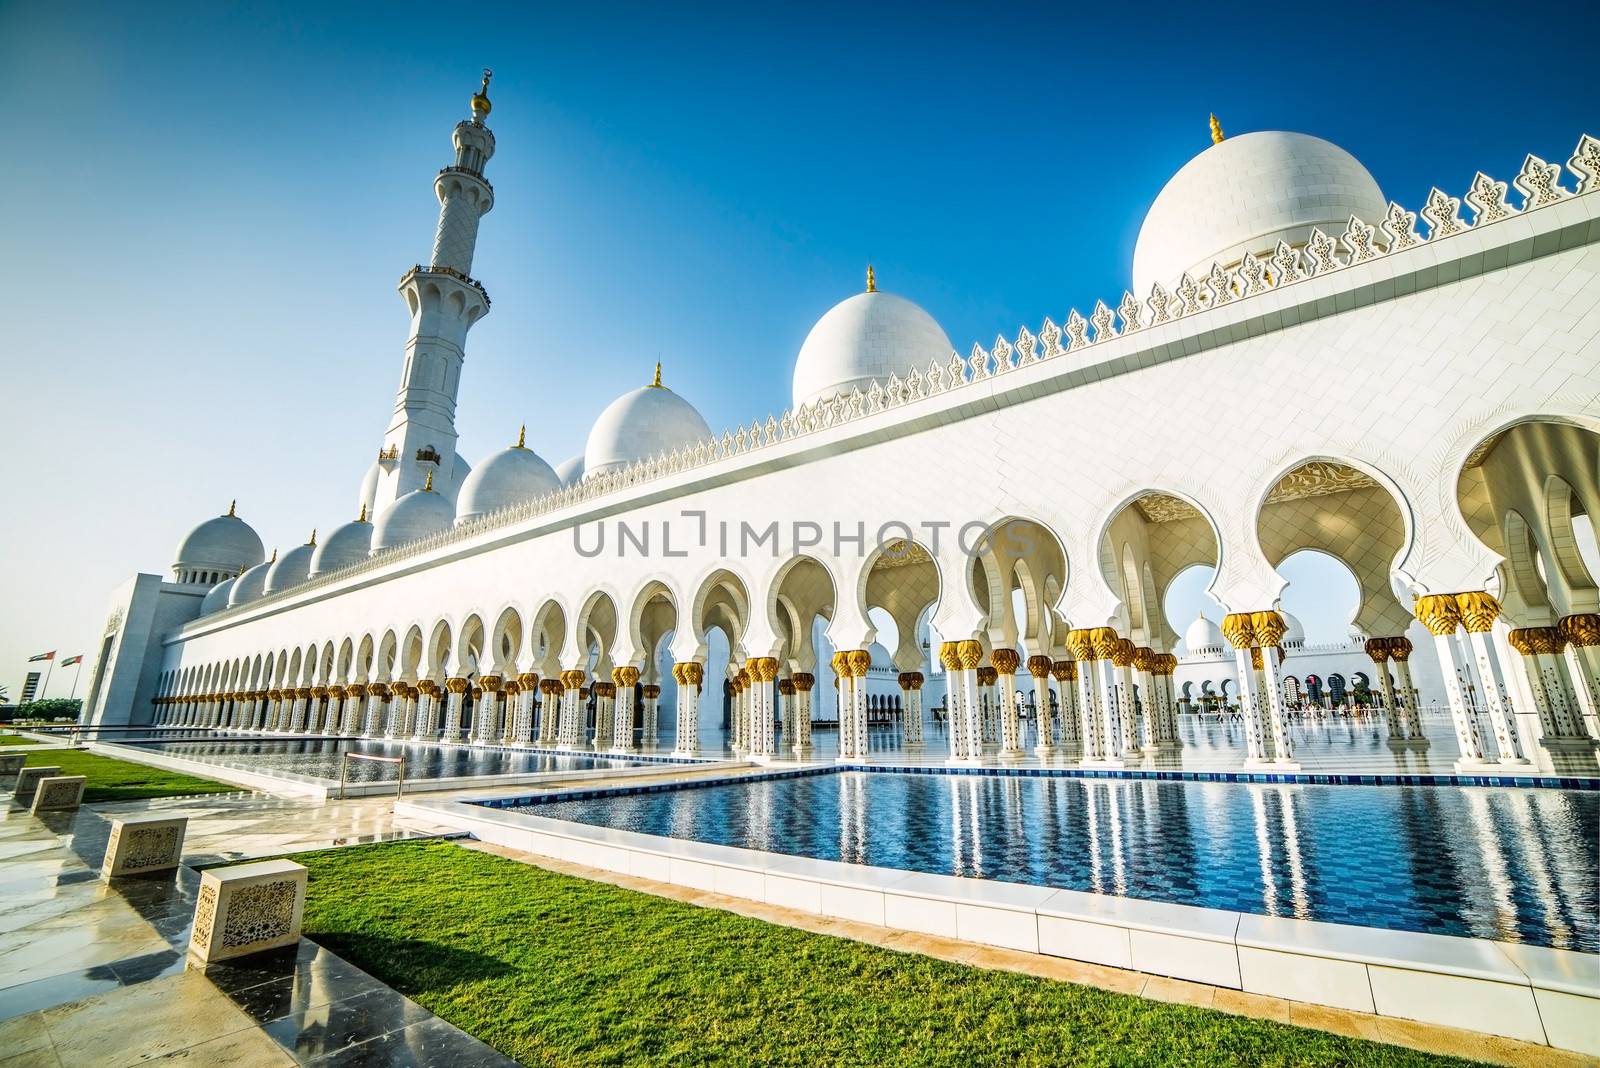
pixel 225 543
pixel 509 477
pixel 416 515
pixel 248 586
pixel 1245 194
pixel 867 336
pixel 1203 636
pixel 641 424
pixel 570 470
pixel 291 568
pixel 347 545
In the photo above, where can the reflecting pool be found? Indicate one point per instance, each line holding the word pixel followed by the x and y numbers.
pixel 1511 864
pixel 319 758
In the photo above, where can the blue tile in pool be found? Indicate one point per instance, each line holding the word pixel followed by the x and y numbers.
pixel 319 758
pixel 1514 865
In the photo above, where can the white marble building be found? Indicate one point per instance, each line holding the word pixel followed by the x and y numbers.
pixel 1414 390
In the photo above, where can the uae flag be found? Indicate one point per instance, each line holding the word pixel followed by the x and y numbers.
pixel 69 661
pixel 51 655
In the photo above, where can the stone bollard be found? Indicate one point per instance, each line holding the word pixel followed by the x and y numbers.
pixel 11 763
pixel 59 793
pixel 28 781
pixel 247 908
pixel 141 844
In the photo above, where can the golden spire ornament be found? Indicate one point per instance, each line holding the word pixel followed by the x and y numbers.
pixel 427 487
pixel 872 280
pixel 480 99
pixel 657 383
pixel 231 506
pixel 362 518
pixel 522 437
pixel 274 557
pixel 1216 130
pixel 313 540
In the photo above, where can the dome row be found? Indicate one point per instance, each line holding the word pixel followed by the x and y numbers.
pixel 1242 195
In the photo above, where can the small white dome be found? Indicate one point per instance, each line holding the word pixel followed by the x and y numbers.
pixel 291 568
pixel 509 477
pixel 225 543
pixel 570 470
pixel 249 585
pixel 1245 194
pixel 369 489
pixel 637 425
pixel 867 336
pixel 1296 634
pixel 349 544
pixel 216 599
pixel 416 515
pixel 1203 636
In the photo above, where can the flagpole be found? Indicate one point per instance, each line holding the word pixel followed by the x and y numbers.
pixel 49 667
pixel 74 691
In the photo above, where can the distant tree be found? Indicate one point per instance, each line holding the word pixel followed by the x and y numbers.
pixel 51 708
pixel 5 696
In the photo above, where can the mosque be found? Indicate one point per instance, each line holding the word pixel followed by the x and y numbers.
pixel 981 541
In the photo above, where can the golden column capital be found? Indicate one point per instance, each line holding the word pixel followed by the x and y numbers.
pixel 1005 661
pixel 1439 612
pixel 628 676
pixel 1268 627
pixel 1581 629
pixel 987 676
pixel 971 653
pixel 1377 649
pixel 490 682
pixel 528 680
pixel 1039 667
pixel 1169 663
pixel 1478 611
pixel 916 679
pixel 860 662
pixel 1122 652
pixel 840 663
pixel 1144 658
pixel 1238 629
pixel 803 681
pixel 457 684
pixel 786 687
pixel 1105 642
pixel 1080 645
pixel 651 691
pixel 512 688
pixel 398 689
pixel 950 655
pixel 904 679
pixel 1399 648
pixel 1064 670
pixel 693 672
pixel 428 687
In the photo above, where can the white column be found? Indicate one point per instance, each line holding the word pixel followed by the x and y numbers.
pixel 1005 663
pixel 860 662
pixel 457 688
pixel 651 729
pixel 1044 717
pixel 688 675
pixel 803 682
pixel 911 722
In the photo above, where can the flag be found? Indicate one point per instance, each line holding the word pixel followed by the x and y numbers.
pixel 51 655
pixel 69 661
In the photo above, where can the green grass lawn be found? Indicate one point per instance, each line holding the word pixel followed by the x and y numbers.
pixel 555 970
pixel 16 739
pixel 118 780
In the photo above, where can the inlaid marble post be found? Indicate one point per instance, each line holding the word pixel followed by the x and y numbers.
pixel 602 715
pixel 626 680
pixel 688 674
pixel 528 689
pixel 1478 614
pixel 911 718
pixel 650 732
pixel 860 664
pixel 1044 717
pixel 1441 615
pixel 803 682
pixel 551 696
pixel 427 722
pixel 1064 677
pixel 846 707
pixel 1081 643
pixel 1005 663
pixel 456 687
pixel 1269 628
pixel 970 651
pixel 763 671
pixel 1582 657
pixel 1237 628
pixel 1146 698
pixel 786 705
pixel 570 732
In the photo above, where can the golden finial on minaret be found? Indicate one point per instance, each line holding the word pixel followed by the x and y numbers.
pixel 427 487
pixel 872 280
pixel 362 518
pixel 231 506
pixel 480 99
pixel 657 383
pixel 313 540
pixel 522 437
pixel 1216 131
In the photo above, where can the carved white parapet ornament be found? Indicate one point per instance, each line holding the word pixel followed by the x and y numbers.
pixel 143 844
pixel 28 781
pixel 248 908
pixel 59 793
pixel 11 764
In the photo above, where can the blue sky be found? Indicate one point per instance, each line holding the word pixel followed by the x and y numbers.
pixel 210 206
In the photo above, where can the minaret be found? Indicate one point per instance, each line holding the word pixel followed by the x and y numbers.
pixel 444 300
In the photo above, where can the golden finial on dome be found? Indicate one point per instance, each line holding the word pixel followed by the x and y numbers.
pixel 231 506
pixel 657 383
pixel 1216 131
pixel 362 518
pixel 427 487
pixel 872 280
pixel 274 557
pixel 522 437
pixel 313 540
pixel 480 99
